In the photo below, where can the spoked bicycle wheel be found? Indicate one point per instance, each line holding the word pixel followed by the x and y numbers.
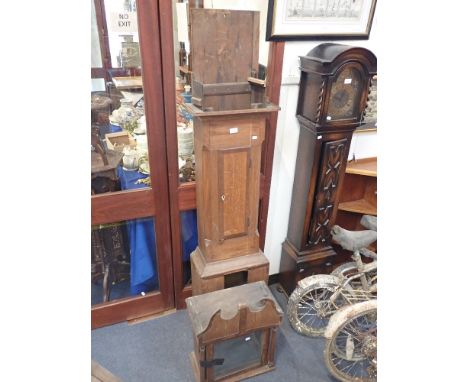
pixel 309 306
pixel 351 346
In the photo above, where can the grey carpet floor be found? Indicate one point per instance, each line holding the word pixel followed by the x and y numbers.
pixel 158 351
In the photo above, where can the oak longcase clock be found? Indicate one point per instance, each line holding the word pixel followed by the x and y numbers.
pixel 230 113
pixel 334 87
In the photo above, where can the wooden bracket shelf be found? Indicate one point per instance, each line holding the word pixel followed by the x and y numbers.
pixel 359 193
pixel 365 167
pixel 360 206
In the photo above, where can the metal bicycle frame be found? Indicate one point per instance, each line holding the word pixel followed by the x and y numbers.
pixel 351 295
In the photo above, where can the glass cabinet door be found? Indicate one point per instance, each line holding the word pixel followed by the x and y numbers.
pixel 129 189
pixel 123 261
pixel 119 141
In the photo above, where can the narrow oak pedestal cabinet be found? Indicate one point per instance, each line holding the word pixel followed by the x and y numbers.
pixel 334 87
pixel 227 152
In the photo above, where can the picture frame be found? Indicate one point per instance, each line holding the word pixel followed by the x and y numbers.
pixel 319 19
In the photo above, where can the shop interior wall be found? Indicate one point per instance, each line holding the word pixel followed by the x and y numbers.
pixel 363 145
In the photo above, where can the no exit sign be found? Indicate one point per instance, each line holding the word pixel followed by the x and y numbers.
pixel 123 22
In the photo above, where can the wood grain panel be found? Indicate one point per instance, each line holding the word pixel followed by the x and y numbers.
pixel 122 205
pixel 187 199
pixel 234 183
pixel 227 45
pixel 152 72
pixel 127 309
pixel 186 196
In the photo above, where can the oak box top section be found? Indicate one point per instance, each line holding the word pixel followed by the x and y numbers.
pixel 224 45
pixel 228 302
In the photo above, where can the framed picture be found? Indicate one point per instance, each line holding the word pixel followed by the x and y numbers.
pixel 319 19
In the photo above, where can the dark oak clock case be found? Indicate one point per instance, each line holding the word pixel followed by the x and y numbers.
pixel 334 86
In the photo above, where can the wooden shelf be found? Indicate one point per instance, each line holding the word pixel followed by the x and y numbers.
pixel 366 167
pixel 122 83
pixel 360 206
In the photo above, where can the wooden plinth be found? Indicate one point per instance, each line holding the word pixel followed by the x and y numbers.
pixel 296 265
pixel 210 276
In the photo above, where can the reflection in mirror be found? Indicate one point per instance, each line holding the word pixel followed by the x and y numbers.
pixel 119 148
pixel 123 260
pixel 189 238
pixel 182 59
pixel 96 58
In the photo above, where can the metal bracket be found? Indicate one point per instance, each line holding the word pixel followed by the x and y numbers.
pixel 213 362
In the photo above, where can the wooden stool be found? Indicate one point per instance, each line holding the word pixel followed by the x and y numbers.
pixel 234 332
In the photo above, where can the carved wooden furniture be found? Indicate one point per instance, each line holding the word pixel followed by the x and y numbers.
pixel 333 93
pixel 229 127
pixel 109 257
pixel 234 332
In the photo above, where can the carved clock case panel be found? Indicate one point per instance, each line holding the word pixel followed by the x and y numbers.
pixel 330 172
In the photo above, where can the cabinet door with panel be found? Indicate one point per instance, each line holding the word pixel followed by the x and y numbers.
pixel 228 190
